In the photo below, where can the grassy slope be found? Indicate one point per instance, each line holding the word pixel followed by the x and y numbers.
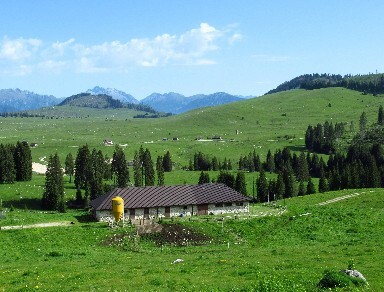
pixel 59 262
pixel 285 253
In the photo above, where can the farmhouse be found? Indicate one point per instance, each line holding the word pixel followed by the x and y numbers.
pixel 171 201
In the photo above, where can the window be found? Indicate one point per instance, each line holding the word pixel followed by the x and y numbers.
pixel 239 204
pixel 185 207
pixel 219 205
pixel 228 204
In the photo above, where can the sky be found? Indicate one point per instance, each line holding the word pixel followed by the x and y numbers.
pixel 242 47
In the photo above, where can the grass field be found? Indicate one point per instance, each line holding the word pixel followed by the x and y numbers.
pixel 273 253
pixel 286 252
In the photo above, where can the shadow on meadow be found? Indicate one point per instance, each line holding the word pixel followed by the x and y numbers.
pixel 27 204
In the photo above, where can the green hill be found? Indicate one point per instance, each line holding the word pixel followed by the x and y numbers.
pixel 270 250
pixel 269 122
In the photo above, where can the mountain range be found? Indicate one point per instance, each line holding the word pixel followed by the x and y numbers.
pixel 13 100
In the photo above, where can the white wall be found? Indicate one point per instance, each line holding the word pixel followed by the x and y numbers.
pixel 175 211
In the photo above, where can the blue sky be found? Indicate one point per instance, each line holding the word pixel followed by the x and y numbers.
pixel 242 47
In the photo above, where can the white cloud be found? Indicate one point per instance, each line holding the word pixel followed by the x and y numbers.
pixel 18 49
pixel 193 47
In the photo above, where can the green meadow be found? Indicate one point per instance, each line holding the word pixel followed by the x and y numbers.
pixel 267 250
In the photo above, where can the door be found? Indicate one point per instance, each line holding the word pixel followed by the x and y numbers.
pixel 167 212
pixel 202 209
pixel 146 213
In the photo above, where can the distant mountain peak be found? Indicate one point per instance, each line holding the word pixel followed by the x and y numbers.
pixel 114 93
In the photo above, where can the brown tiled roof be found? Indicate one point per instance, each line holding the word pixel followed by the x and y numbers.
pixel 163 196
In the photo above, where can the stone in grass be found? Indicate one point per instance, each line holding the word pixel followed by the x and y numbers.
pixel 177 261
pixel 354 273
pixel 340 279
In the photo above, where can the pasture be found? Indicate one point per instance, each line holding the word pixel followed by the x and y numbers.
pixel 286 251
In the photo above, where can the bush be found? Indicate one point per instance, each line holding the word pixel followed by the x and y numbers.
pixel 333 279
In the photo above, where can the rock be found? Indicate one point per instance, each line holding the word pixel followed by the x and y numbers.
pixel 354 273
pixel 177 261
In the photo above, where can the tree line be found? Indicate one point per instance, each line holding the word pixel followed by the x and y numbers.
pixel 93 173
pixel 370 83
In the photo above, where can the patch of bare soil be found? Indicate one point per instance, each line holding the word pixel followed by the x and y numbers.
pixel 178 235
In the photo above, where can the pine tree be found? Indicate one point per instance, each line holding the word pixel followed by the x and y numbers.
pixel 97 173
pixel 120 167
pixel 53 196
pixel 7 165
pixel 301 191
pixel 69 167
pixel 262 187
pixel 323 184
pixel 310 187
pixel 149 173
pixel 269 162
pixel 303 170
pixel 289 182
pixel 380 118
pixel 167 162
pixel 280 187
pixel 137 170
pixel 226 178
pixel 204 178
pixel 23 161
pixel 240 184
pixel 363 124
pixel 160 171
pixel 83 167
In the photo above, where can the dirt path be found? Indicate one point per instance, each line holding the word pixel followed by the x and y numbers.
pixel 38 225
pixel 339 199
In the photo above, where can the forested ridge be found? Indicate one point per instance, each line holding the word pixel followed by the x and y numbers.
pixel 370 83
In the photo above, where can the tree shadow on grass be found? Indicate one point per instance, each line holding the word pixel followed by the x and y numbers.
pixel 296 148
pixel 85 218
pixel 28 203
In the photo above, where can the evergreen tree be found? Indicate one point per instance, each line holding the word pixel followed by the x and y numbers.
pixel 138 170
pixel 53 196
pixel 120 167
pixel 96 176
pixel 301 191
pixel 7 164
pixel 149 173
pixel 323 184
pixel 69 166
pixel 380 118
pixel 167 162
pixel 310 187
pixel 215 164
pixel 83 167
pixel 240 184
pixel 280 187
pixel 226 178
pixel 23 161
pixel 302 168
pixel 262 187
pixel 289 182
pixel 160 171
pixel 204 178
pixel 269 162
pixel 363 124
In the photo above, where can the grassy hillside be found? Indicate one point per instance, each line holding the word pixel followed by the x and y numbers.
pixel 288 252
pixel 265 253
pixel 268 122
